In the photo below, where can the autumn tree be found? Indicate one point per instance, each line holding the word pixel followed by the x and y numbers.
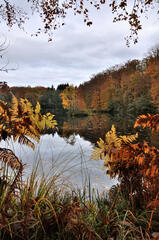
pixel 69 99
pixel 131 88
pixel 53 13
pixel 96 100
pixel 81 101
pixel 152 72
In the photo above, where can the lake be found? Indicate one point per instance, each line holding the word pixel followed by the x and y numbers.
pixel 67 150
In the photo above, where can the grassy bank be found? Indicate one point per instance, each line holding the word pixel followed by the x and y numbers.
pixel 44 208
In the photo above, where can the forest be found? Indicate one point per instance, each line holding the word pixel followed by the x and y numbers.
pixel 131 89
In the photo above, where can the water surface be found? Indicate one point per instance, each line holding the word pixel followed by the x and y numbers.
pixel 67 150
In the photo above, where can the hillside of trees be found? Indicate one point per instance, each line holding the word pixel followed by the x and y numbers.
pixel 132 89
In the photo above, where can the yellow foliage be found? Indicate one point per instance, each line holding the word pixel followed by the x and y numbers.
pixel 69 98
pixel 106 149
pixel 37 108
pixel 21 121
pixel 129 139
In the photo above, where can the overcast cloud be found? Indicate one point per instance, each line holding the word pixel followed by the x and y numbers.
pixel 77 51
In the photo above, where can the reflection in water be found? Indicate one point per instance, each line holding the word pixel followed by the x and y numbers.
pixel 93 127
pixel 68 150
pixel 55 155
pixel 90 128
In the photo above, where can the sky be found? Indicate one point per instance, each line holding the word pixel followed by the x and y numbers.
pixel 77 51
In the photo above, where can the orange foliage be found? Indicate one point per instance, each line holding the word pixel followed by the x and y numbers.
pixel 123 84
pixel 150 121
pixel 153 72
pixel 135 164
pixel 145 158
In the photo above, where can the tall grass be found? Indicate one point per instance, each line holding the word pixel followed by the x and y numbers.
pixel 49 207
pixel 45 208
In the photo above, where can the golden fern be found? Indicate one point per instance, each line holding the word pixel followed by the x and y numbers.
pixel 21 121
pixel 108 148
pixel 129 139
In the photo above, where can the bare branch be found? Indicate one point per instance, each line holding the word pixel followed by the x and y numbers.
pixel 5 62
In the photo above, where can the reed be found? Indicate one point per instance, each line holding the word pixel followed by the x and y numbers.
pixel 45 208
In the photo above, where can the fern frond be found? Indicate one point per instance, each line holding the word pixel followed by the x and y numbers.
pixel 112 139
pixel 150 121
pixel 2 106
pixel 14 108
pixel 109 150
pixel 37 108
pixel 40 122
pixel 101 143
pixel 26 106
pixel 22 122
pixel 31 135
pixel 129 139
pixel 45 121
pixel 5 112
pixel 98 153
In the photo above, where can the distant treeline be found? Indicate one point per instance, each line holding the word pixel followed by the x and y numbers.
pixel 131 89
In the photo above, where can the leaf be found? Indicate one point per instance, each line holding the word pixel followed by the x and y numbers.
pixel 129 139
pixel 150 121
pixel 14 108
pixel 141 160
pixel 37 108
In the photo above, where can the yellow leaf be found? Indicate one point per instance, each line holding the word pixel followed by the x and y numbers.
pixel 37 108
